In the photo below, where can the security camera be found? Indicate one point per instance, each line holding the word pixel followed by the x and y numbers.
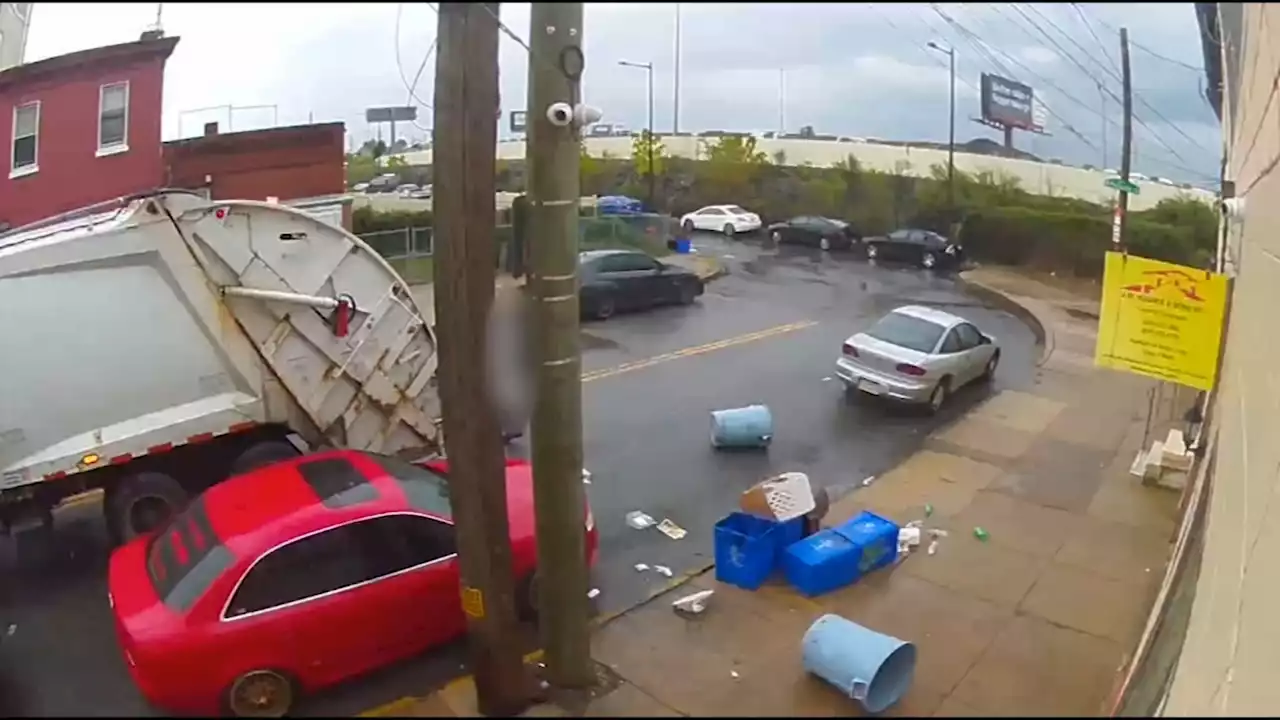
pixel 584 115
pixel 1233 208
pixel 560 114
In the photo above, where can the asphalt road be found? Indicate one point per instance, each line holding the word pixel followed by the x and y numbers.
pixel 767 333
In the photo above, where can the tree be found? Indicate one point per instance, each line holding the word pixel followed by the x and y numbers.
pixel 591 170
pixel 396 163
pixel 640 154
pixel 734 150
pixel 780 157
pixel 361 168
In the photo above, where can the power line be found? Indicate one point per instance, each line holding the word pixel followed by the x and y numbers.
pixel 920 46
pixel 1084 19
pixel 410 87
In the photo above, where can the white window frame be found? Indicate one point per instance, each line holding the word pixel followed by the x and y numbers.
pixel 123 145
pixel 14 170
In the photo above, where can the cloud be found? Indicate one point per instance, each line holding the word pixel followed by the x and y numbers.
pixel 860 69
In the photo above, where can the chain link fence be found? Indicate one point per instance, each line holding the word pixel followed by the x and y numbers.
pixel 410 250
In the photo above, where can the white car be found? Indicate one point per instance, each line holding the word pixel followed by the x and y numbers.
pixel 727 219
pixel 919 355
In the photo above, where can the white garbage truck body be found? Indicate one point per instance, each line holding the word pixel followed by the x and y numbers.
pixel 152 348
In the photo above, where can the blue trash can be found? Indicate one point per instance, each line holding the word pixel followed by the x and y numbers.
pixel 836 557
pixel 744 427
pixel 683 245
pixel 748 548
pixel 867 666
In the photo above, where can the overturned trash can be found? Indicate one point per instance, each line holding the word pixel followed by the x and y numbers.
pixel 867 666
pixel 744 427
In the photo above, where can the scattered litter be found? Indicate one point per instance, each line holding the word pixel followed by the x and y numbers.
pixel 933 546
pixel 641 567
pixel 734 674
pixel 826 379
pixel 671 530
pixel 12 629
pixel 593 593
pixel 779 498
pixel 937 533
pixel 928 510
pixel 695 603
pixel 980 534
pixel 914 524
pixel 908 538
pixel 639 520
pixel 727 257
pixel 544 684
pixel 868 480
pixel 663 570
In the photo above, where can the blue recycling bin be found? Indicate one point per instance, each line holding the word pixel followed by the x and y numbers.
pixel 683 246
pixel 748 548
pixel 839 556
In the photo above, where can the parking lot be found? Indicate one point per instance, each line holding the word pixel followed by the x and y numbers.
pixel 767 333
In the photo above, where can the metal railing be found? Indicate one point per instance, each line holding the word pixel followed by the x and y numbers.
pixel 402 244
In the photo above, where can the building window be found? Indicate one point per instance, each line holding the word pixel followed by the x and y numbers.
pixel 26 137
pixel 113 117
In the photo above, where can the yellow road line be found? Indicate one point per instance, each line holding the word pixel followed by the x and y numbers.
pixel 697 350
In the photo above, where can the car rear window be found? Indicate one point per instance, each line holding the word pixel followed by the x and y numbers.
pixel 426 490
pixel 907 331
pixel 186 557
pixel 736 210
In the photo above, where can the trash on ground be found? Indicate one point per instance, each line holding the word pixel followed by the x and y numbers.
pixel 586 476
pixel 695 603
pixel 937 532
pixel 826 379
pixel 733 674
pixel 639 520
pixel 908 538
pixel 933 546
pixel 981 534
pixel 744 427
pixel 663 570
pixel 914 524
pixel 779 498
pixel 873 668
pixel 593 593
pixel 672 530
pixel 928 510
pixel 868 480
pixel 12 629
pixel 641 567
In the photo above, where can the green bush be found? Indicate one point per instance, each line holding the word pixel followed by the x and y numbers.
pixel 1069 242
pixel 367 220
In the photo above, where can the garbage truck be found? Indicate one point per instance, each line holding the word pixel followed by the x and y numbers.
pixel 154 345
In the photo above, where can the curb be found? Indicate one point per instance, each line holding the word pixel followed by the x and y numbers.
pixel 1042 330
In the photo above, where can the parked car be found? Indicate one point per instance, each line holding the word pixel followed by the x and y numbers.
pixel 299 575
pixel 925 248
pixel 822 232
pixel 619 205
pixel 917 354
pixel 613 280
pixel 727 219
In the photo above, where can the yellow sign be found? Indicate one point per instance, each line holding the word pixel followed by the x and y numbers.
pixel 473 602
pixel 1161 320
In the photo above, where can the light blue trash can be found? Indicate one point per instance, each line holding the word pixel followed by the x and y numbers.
pixel 744 427
pixel 874 669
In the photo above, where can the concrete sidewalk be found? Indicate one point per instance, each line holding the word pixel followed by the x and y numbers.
pixel 1038 619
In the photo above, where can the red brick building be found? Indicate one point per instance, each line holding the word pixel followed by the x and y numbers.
pixel 81 128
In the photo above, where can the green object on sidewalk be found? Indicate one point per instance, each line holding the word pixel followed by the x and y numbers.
pixel 980 534
pixel 928 510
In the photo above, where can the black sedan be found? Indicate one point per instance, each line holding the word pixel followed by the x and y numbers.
pixel 822 232
pixel 620 280
pixel 925 248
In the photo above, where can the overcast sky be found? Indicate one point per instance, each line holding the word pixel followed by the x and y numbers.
pixel 858 69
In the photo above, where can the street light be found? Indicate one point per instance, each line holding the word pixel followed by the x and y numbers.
pixel 951 141
pixel 648 68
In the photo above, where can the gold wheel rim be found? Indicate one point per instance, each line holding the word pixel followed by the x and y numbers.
pixel 260 695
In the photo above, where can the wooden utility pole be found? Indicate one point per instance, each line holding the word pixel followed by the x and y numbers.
pixel 555 74
pixel 466 136
pixel 1126 148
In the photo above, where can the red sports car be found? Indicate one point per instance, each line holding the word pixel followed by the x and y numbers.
pixel 299 575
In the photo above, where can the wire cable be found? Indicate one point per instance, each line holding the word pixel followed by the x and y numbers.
pixel 410 87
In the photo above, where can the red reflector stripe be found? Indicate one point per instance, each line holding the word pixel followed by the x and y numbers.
pixel 121 459
pixel 202 437
pixel 163 447
pixel 241 427
pixel 56 475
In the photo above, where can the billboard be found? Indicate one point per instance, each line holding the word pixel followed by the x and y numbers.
pixel 518 120
pixel 1008 102
pixel 391 114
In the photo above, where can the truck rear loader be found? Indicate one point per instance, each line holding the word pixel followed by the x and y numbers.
pixel 161 343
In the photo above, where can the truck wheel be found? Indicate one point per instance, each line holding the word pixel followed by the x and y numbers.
pixel 263 454
pixel 142 503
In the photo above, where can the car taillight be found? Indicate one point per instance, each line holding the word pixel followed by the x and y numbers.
pixel 913 370
pixel 849 350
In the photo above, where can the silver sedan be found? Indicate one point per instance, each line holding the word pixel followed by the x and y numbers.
pixel 917 355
